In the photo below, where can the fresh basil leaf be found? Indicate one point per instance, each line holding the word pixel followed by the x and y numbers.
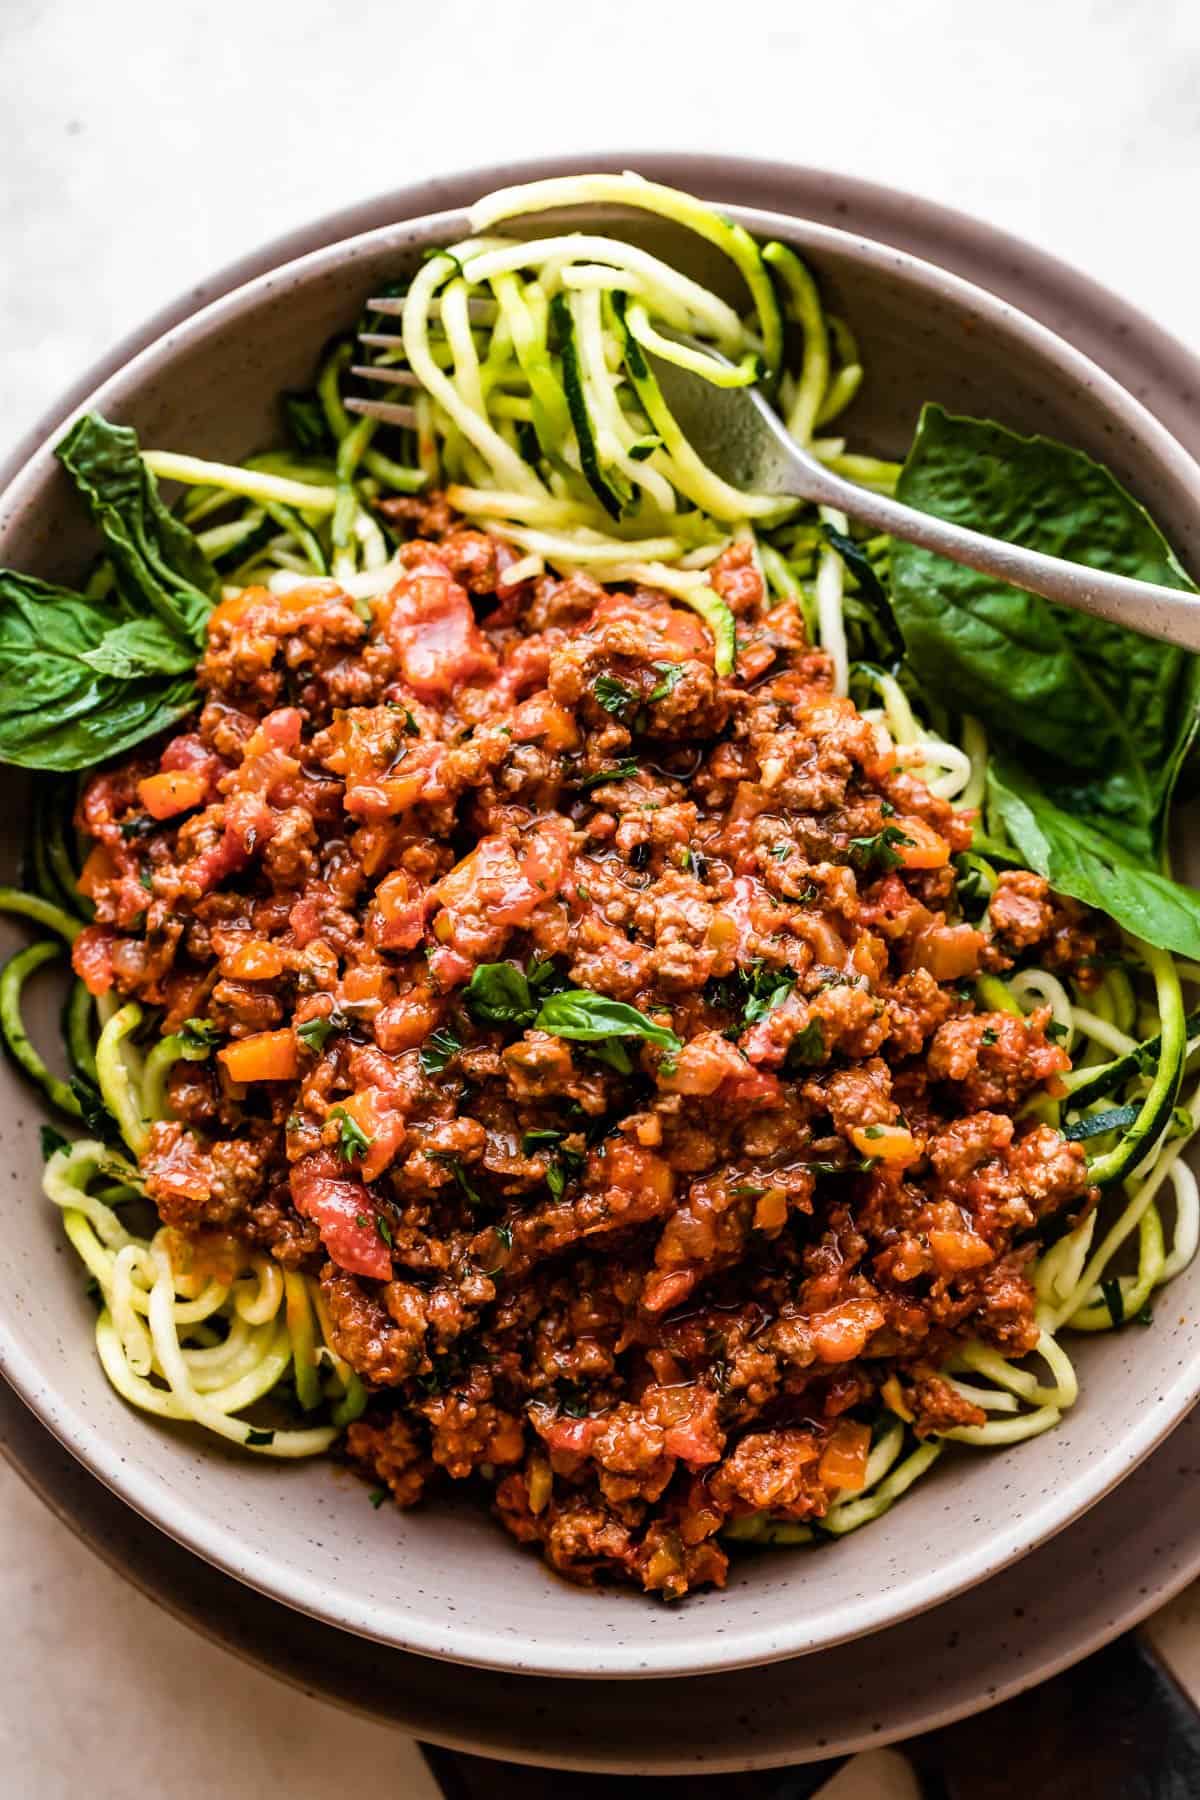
pixel 498 994
pixel 613 1055
pixel 159 566
pixel 64 701
pixel 437 1050
pixel 1104 716
pixel 589 1017
pixel 769 989
pixel 1078 859
pixel 140 647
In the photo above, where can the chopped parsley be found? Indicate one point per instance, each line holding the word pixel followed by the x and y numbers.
pixel 781 851
pixel 533 1141
pixel 752 991
pixel 878 854
pixel 352 1139
pixel 377 1496
pixel 621 773
pixel 669 677
pixel 384 1229
pixel 989 1035
pixel 499 994
pixel 438 1048
pixel 612 694
pixel 147 880
pixel 807 1047
pixel 453 1162
pixel 314 1033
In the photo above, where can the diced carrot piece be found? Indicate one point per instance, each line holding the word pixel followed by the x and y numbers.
pixel 175 791
pixel 363 983
pixel 254 960
pixel 843 1462
pixel 888 1143
pixel 924 848
pixel 267 1056
pixel 954 1251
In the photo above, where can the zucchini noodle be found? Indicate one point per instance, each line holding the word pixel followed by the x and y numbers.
pixel 520 388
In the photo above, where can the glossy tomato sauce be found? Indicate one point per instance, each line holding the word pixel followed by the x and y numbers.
pixel 634 1285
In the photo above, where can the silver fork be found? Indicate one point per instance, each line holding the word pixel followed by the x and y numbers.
pixel 743 441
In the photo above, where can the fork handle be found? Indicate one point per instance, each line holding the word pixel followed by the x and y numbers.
pixel 1171 614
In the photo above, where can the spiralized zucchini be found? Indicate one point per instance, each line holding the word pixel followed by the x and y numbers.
pixel 535 409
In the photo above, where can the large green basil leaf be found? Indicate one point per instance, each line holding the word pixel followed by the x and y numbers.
pixel 1078 859
pixel 1103 715
pixel 159 566
pixel 77 682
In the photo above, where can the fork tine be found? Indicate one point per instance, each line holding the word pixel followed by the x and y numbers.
pixel 389 377
pixel 480 311
pixel 385 411
pixel 381 340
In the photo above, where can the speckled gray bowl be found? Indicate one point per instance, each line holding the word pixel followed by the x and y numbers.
pixel 446 1582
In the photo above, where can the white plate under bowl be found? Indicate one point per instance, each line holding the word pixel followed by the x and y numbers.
pixel 444 1581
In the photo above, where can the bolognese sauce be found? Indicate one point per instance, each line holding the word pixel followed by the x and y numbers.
pixel 605 1034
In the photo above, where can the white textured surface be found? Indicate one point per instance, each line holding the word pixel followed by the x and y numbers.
pixel 143 145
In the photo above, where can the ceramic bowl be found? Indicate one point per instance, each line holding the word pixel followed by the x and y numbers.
pixel 446 1581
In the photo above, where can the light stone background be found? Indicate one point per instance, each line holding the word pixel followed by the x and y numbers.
pixel 144 143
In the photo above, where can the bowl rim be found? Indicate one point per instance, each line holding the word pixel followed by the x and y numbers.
pixel 737 1647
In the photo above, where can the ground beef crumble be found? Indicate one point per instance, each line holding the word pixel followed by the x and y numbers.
pixel 631 1298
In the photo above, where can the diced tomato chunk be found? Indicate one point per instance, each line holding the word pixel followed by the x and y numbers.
pixel 400 906
pixel 504 882
pixel 541 720
pixel 429 623
pixel 381 1123
pixel 343 1213
pixel 91 958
